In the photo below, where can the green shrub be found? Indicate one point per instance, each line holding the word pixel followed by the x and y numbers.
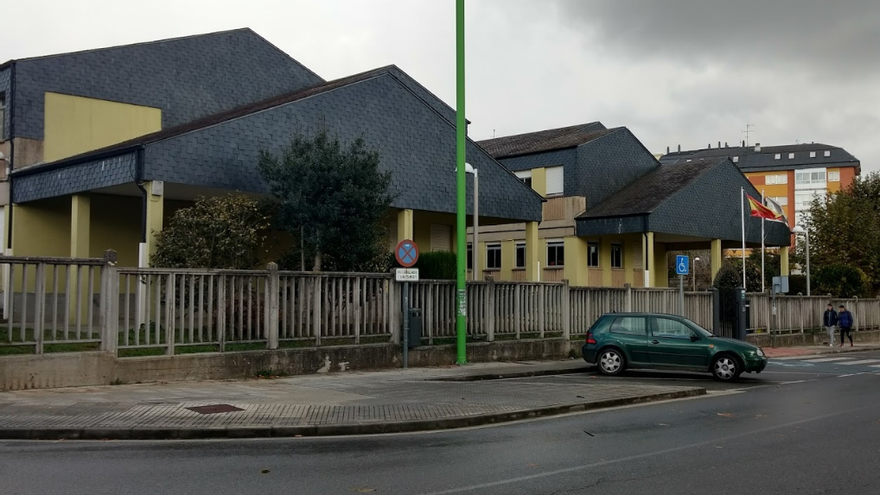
pixel 437 265
pixel 839 280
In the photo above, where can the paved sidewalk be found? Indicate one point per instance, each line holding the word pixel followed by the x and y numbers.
pixel 782 352
pixel 341 403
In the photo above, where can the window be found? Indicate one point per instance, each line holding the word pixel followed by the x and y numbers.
pixel 803 199
pixel 833 176
pixel 555 253
pixel 780 200
pixel 520 255
pixel 777 156
pixel 470 257
pixel 667 327
pixel 493 256
pixel 791 156
pixel 555 181
pixel 735 159
pixel 525 177
pixel 616 256
pixel 592 254
pixel 441 237
pixel 632 325
pixel 827 153
pixel 810 178
pixel 812 154
pixel 776 179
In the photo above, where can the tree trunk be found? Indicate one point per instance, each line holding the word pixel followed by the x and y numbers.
pixel 317 266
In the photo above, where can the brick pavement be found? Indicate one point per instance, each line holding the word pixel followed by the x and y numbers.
pixel 353 402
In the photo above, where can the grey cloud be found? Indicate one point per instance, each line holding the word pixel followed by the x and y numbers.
pixel 825 35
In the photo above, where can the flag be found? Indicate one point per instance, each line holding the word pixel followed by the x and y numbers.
pixel 761 211
pixel 777 210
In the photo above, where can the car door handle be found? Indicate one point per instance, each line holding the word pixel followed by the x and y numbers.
pixel 655 341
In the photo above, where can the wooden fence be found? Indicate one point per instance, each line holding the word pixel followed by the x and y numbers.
pixel 796 314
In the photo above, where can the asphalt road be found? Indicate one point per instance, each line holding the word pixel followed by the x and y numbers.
pixel 802 426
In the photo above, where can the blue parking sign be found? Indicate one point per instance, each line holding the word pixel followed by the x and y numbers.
pixel 682 263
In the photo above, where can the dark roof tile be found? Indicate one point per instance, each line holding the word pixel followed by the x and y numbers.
pixel 547 140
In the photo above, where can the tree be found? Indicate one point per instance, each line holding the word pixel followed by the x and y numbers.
pixel 334 199
pixel 217 232
pixel 844 228
pixel 730 275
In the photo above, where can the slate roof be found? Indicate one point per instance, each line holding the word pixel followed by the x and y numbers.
pixel 748 160
pixel 649 192
pixel 188 78
pixel 540 141
pixel 414 140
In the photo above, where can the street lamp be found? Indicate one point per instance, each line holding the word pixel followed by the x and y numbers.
pixel 470 169
pixel 696 259
pixel 800 230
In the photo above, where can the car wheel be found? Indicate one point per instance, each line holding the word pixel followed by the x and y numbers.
pixel 725 368
pixel 611 362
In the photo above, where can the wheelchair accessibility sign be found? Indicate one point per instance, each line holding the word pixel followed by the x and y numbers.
pixel 681 264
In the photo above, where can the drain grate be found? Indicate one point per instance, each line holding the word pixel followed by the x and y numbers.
pixel 214 409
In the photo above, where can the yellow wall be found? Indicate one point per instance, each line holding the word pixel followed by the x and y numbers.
pixel 42 228
pixel 74 124
pixel 575 260
pixel 539 180
pixel 833 186
pixel 116 224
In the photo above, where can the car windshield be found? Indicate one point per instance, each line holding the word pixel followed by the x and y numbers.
pixel 700 330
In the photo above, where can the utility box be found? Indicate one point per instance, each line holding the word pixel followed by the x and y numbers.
pixel 415 327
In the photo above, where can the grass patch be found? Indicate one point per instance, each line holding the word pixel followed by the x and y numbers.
pixel 72 347
pixel 17 350
pixel 248 346
pixel 268 374
pixel 142 352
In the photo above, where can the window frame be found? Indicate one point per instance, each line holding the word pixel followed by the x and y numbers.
pixel 470 256
pixel 777 156
pixel 517 248
pixel 493 249
pixel 591 254
pixel 827 153
pixel 791 156
pixel 832 178
pixel 619 247
pixel 812 154
pixel 558 248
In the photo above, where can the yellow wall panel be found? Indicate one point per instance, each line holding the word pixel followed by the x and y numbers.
pixel 74 124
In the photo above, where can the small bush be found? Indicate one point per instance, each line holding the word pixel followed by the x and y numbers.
pixel 437 265
pixel 840 280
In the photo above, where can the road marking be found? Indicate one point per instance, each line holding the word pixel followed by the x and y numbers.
pixel 636 457
pixel 795 381
pixel 875 366
pixel 825 360
pixel 863 361
pixel 851 374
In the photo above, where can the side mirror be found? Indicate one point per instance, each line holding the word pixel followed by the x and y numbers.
pixel 694 338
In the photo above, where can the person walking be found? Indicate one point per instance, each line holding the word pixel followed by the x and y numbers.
pixel 829 321
pixel 845 321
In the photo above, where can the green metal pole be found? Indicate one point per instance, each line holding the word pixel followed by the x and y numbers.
pixel 460 189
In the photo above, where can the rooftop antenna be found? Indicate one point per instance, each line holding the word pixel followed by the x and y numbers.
pixel 748 131
pixel 493 133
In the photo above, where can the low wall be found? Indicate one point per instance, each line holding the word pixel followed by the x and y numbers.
pixel 798 339
pixel 98 368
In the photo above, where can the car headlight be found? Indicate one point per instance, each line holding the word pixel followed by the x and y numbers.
pixel 760 352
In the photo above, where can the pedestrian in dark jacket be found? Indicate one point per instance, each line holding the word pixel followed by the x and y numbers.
pixel 829 321
pixel 845 321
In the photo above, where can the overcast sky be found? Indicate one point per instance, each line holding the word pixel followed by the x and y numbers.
pixel 688 72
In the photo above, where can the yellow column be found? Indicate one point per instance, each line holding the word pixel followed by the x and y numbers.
pixel 508 259
pixel 482 258
pixel 661 266
pixel 783 261
pixel 648 254
pixel 80 226
pixel 715 257
pixel 155 216
pixel 628 263
pixel 575 261
pixel 405 225
pixel 533 249
pixel 539 180
pixel 605 261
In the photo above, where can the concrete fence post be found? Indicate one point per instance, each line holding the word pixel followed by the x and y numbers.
pixel 628 305
pixel 109 304
pixel 716 311
pixel 395 308
pixel 490 310
pixel 39 306
pixel 566 310
pixel 272 306
pixel 221 311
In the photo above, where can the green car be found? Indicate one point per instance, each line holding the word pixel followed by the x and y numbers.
pixel 618 341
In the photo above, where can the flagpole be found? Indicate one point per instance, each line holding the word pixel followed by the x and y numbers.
pixel 763 278
pixel 742 204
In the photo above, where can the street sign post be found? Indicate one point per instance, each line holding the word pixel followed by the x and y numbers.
pixel 682 263
pixel 406 253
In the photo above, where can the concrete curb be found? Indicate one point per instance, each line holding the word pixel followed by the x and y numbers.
pixel 514 374
pixel 328 430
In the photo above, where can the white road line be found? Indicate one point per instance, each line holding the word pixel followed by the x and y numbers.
pixel 825 360
pixel 863 361
pixel 844 376
pixel 875 366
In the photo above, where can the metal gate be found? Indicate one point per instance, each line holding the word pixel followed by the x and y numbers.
pixel 727 313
